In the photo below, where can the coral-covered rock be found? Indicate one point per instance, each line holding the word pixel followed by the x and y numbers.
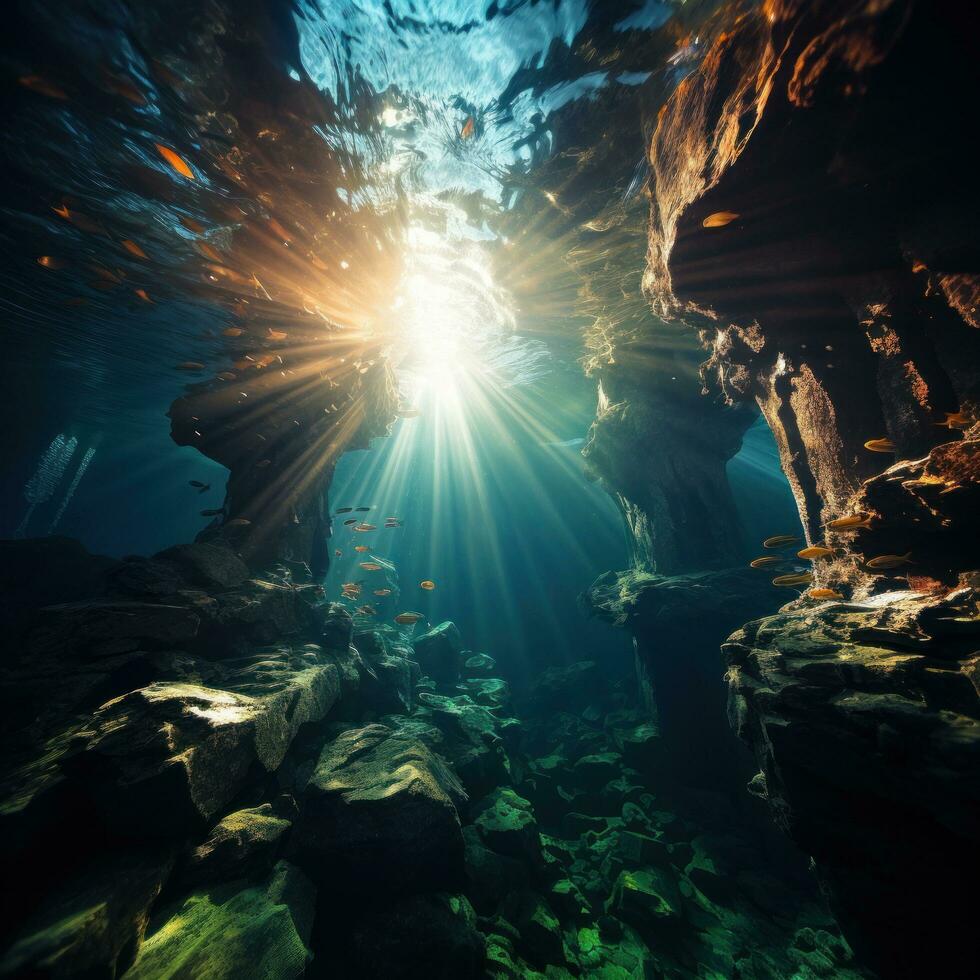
pixel 379 810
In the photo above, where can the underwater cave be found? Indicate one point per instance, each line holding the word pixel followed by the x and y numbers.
pixel 491 490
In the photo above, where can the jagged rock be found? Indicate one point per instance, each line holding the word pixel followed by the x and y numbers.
pixel 379 811
pixel 540 932
pixel 92 924
pixel 439 653
pixel 102 628
pixel 490 876
pixel 243 844
pixel 867 746
pixel 416 938
pixel 338 627
pixel 231 931
pixel 193 746
pixel 638 898
pixel 641 849
pixel 489 691
pixel 145 577
pixel 566 688
pixel 594 771
pixel 506 822
pixel 210 566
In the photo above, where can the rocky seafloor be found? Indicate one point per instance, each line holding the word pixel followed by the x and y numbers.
pixel 220 776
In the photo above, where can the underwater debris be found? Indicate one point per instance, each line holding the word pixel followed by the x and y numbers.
pixel 41 486
pixel 72 487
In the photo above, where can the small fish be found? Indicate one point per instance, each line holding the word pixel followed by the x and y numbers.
pixel 226 376
pixel 719 219
pixel 209 252
pixel 201 487
pixel 890 561
pixel 349 521
pixel 277 334
pixel 817 551
pixel 427 584
pixel 212 513
pixel 190 366
pixel 382 592
pixel 176 161
pixel 361 547
pixel 371 566
pixel 344 510
pixel 918 266
pixel 43 87
pixel 780 541
pixel 133 248
pixel 791 581
pixel 191 225
pixel 824 594
pixel 232 332
pixel 361 510
pixel 142 294
pixel 469 127
pixel 125 87
pixel 365 527
pixel 880 446
pixel 50 262
pixel 238 522
pixel 367 610
pixel 954 420
pixel 337 553
pixel 408 618
pixel 766 561
pixel 850 523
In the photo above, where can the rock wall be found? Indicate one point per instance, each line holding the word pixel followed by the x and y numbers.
pixel 813 219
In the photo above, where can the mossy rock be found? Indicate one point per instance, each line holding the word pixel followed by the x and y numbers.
pixel 507 824
pixel 540 931
pixel 638 897
pixel 231 931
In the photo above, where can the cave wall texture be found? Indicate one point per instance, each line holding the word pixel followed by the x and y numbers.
pixel 838 293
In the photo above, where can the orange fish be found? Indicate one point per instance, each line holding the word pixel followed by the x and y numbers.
pixel 408 618
pixel 719 219
pixel 880 445
pixel 143 295
pixel 371 566
pixel 365 527
pixel 191 225
pixel 42 86
pixel 824 594
pixel 817 551
pixel 427 584
pixel 361 547
pixel 175 160
pixel 232 332
pixel 890 561
pixel 469 128
pixel 50 262
pixel 125 87
pixel 277 334
pixel 850 523
pixel 133 248
pixel 209 251
pixel 382 592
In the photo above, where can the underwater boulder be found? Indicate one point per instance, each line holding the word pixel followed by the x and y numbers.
pixel 489 875
pixel 138 576
pixel 210 566
pixel 540 932
pixel 507 824
pixel 92 923
pixel 243 844
pixel 641 898
pixel 232 931
pixel 439 653
pixel 479 665
pixel 567 689
pixel 379 810
pixel 420 937
pixel 338 627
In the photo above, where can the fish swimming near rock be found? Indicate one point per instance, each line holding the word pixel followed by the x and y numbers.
pixel 201 487
pixel 469 127
pixel 238 522
pixel 956 420
pixel 850 523
pixel 352 520
pixel 780 541
pixel 792 581
pixel 766 561
pixel 367 610
pixel 824 594
pixel 408 618
pixel 885 562
pixel 880 446
pixel 427 584
pixel 719 219
pixel 817 551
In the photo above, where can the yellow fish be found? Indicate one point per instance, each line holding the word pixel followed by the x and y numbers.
pixel 890 561
pixel 824 594
pixel 408 618
pixel 366 527
pixel 850 523
pixel 765 561
pixel 956 420
pixel 880 445
pixel 790 581
pixel 371 566
pixel 427 584
pixel 817 551
pixel 719 219
pixel 780 541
